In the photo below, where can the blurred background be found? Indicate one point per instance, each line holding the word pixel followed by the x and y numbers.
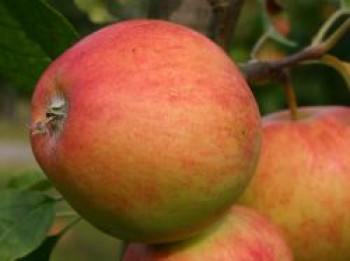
pixel 298 20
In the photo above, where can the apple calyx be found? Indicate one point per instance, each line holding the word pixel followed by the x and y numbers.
pixel 55 116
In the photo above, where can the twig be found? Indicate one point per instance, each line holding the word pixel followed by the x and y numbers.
pixel 257 71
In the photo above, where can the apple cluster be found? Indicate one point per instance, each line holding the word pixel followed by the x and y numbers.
pixel 151 133
pixel 302 180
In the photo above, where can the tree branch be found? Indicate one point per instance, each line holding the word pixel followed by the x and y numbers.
pixel 258 71
pixel 226 14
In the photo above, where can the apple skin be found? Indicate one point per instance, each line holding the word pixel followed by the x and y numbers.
pixel 158 129
pixel 241 235
pixel 302 181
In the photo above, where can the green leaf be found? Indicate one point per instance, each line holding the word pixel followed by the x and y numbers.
pixel 270 29
pixel 43 252
pixel 21 60
pixel 25 218
pixel 32 35
pixel 32 180
pixel 43 25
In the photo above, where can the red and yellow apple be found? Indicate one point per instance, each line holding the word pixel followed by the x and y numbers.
pixel 302 180
pixel 148 130
pixel 241 235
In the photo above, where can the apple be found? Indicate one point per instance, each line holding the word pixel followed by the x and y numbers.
pixel 302 181
pixel 148 130
pixel 241 235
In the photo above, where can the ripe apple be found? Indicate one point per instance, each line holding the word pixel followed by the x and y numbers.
pixel 241 235
pixel 302 180
pixel 148 130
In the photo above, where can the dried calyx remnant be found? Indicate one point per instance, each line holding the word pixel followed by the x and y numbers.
pixel 55 116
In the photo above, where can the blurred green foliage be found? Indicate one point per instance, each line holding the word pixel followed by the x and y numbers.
pixel 30 40
pixel 21 60
pixel 96 10
pixel 314 84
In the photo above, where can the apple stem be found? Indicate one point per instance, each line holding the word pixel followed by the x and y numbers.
pixel 290 94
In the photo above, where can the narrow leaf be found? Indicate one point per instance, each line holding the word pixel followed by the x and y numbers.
pixel 342 67
pixel 269 11
pixel 25 218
